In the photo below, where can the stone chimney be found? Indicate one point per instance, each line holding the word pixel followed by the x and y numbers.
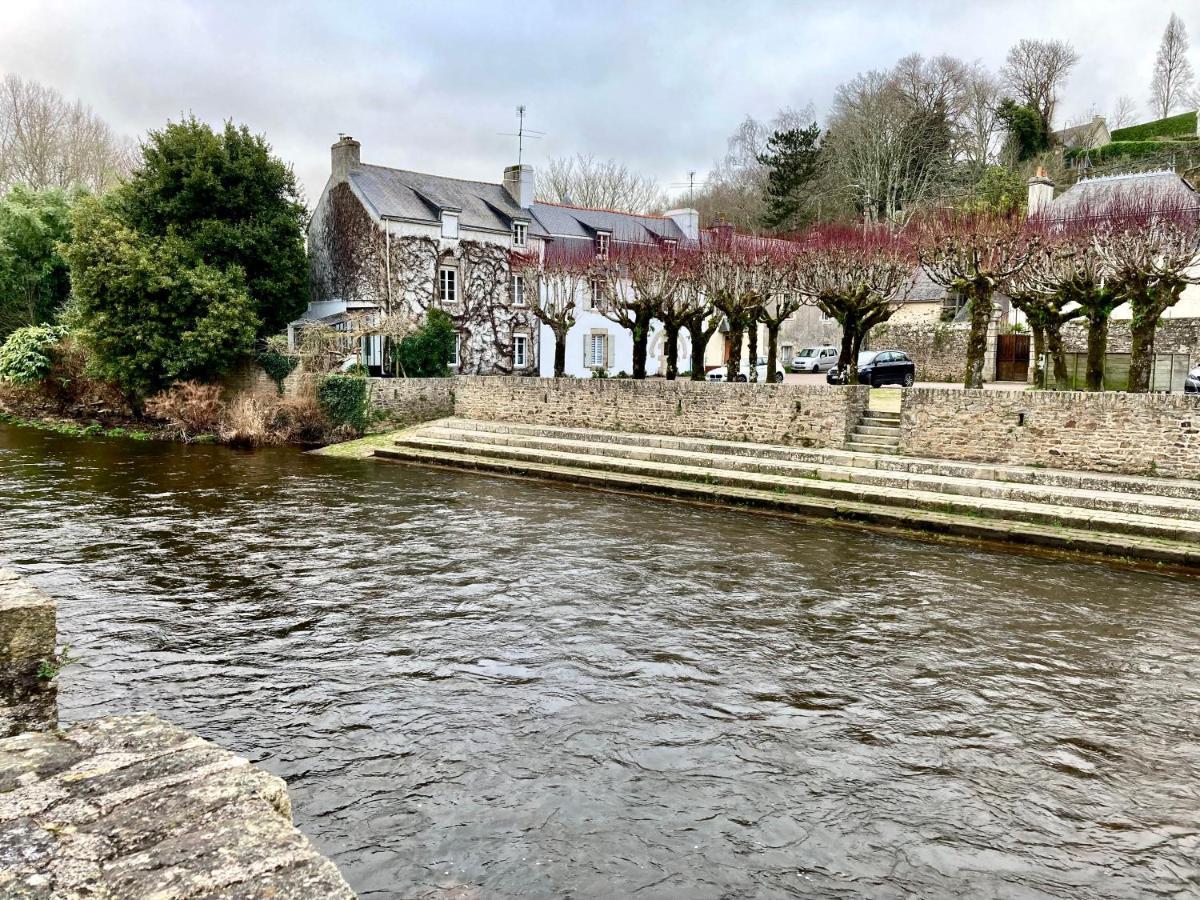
pixel 1041 193
pixel 345 155
pixel 688 221
pixel 722 232
pixel 518 181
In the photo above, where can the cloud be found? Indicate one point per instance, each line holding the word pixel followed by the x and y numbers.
pixel 432 86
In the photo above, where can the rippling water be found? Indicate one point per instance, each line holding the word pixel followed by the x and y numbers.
pixel 481 687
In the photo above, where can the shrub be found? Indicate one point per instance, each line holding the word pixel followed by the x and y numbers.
pixel 426 353
pixel 343 399
pixel 1181 125
pixel 246 422
pixel 1120 149
pixel 189 407
pixel 300 420
pixel 277 364
pixel 28 354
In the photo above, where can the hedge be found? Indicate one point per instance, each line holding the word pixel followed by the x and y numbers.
pixel 343 398
pixel 1130 149
pixel 1174 126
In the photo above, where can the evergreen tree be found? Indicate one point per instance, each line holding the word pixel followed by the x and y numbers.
pixel 1027 135
pixel 233 203
pixel 33 275
pixel 793 161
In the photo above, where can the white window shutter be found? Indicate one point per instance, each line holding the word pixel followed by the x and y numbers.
pixel 608 343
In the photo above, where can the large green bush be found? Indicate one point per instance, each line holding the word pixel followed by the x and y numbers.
pixel 27 355
pixel 33 275
pixel 1182 125
pixel 343 399
pixel 1121 150
pixel 426 353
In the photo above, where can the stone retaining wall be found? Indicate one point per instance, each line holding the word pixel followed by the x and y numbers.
pixel 802 415
pixel 406 401
pixel 27 636
pixel 1109 432
pixel 939 350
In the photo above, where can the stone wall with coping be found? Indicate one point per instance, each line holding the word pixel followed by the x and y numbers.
pixel 800 415
pixel 1171 336
pixel 407 401
pixel 1103 432
pixel 27 637
pixel 939 349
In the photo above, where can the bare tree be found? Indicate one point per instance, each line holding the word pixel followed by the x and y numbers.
pixel 1172 72
pixel 1124 112
pixel 553 282
pixel 583 180
pixel 891 152
pixel 1035 71
pixel 47 141
pixel 979 127
pixel 636 281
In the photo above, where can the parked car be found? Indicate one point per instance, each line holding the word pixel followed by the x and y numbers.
pixel 815 359
pixel 744 374
pixel 877 367
pixel 1191 384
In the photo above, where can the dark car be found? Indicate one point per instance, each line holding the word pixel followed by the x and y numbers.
pixel 876 367
pixel 1191 384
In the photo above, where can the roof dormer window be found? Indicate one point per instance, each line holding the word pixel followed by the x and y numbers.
pixel 520 234
pixel 450 225
pixel 602 240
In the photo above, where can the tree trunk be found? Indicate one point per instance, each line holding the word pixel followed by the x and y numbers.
pixel 1058 357
pixel 671 348
pixel 847 362
pixel 560 354
pixel 772 350
pixel 1039 350
pixel 1141 360
pixel 981 317
pixel 1097 347
pixel 695 327
pixel 752 338
pixel 734 364
pixel 641 337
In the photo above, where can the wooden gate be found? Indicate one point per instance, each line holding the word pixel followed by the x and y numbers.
pixel 1012 357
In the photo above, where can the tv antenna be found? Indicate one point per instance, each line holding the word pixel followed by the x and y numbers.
pixel 522 132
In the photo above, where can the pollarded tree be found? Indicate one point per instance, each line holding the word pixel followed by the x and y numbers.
pixel 732 271
pixel 859 277
pixel 635 280
pixel 553 283
pixel 684 307
pixel 1034 291
pixel 1079 274
pixel 1150 248
pixel 973 254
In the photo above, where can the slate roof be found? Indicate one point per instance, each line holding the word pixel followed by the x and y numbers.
pixel 1166 187
pixel 579 222
pixel 400 194
pixel 924 289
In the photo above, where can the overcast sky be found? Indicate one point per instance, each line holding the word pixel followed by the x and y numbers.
pixel 432 85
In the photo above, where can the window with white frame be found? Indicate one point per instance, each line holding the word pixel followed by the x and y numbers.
pixel 602 239
pixel 598 351
pixel 595 293
pixel 453 361
pixel 450 225
pixel 518 290
pixel 520 351
pixel 447 285
pixel 520 233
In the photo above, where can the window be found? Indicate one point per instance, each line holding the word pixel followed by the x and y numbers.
pixel 602 244
pixel 671 247
pixel 826 317
pixel 453 362
pixel 595 293
pixel 520 351
pixel 449 225
pixel 448 285
pixel 520 232
pixel 598 355
pixel 518 290
pixel 786 352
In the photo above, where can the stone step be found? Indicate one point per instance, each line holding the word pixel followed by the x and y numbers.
pixel 1093 481
pixel 882 416
pixel 868 436
pixel 875 449
pixel 990 528
pixel 878 430
pixel 1112 501
pixel 834 491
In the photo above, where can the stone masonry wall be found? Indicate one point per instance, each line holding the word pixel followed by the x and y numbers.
pixel 938 349
pixel 27 637
pixel 1171 336
pixel 1110 432
pixel 406 401
pixel 803 415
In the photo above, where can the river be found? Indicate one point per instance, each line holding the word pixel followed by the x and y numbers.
pixel 479 687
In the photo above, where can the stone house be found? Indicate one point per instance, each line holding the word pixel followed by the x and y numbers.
pixel 409 241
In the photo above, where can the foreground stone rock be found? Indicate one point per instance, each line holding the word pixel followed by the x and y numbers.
pixel 27 636
pixel 132 806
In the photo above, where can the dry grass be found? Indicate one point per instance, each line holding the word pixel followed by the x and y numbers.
pixel 191 408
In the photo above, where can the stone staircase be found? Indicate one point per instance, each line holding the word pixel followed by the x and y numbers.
pixel 1128 516
pixel 876 432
